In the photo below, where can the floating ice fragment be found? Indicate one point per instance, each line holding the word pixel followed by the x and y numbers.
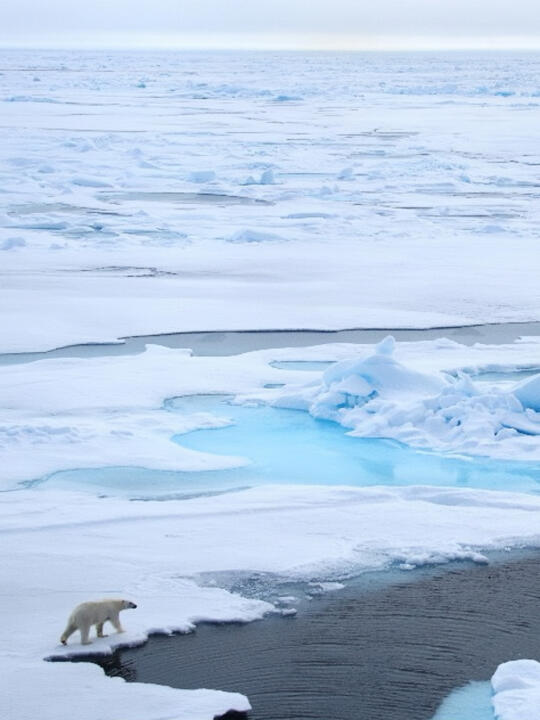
pixel 377 396
pixel 346 174
pixel 30 98
pixel 528 393
pixel 254 236
pixel 308 216
pixel 384 374
pixel 325 190
pixel 267 177
pixel 287 98
pixel 516 686
pixel 386 346
pixel 327 586
pixel 12 243
pixel 89 182
pixel 202 176
pixel 492 229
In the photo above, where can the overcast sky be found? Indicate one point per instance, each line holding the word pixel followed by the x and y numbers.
pixel 361 24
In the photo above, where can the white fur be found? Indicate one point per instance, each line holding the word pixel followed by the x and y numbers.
pixel 96 613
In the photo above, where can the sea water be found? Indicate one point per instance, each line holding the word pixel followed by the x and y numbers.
pixel 291 447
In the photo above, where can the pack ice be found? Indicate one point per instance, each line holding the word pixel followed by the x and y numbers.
pixel 377 396
pixel 150 193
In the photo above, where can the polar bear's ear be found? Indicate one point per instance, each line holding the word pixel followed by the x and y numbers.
pixel 128 604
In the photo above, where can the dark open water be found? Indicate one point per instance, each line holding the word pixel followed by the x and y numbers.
pixel 381 652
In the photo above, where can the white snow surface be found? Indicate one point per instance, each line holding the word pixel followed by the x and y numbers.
pixel 160 192
pixel 71 413
pixel 145 193
pixel 516 687
pixel 378 396
pixel 61 547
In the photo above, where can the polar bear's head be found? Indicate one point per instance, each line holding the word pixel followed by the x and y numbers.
pixel 127 604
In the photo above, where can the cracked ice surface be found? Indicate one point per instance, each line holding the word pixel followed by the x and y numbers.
pixel 62 547
pixel 160 192
pixel 166 192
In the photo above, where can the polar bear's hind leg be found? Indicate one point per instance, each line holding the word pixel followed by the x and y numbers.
pixel 99 629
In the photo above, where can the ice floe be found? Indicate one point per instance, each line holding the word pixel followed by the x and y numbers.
pixel 377 396
pixel 516 687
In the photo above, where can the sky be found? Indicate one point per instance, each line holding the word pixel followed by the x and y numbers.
pixel 324 24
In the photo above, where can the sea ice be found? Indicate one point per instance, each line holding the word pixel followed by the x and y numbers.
pixel 202 176
pixel 471 702
pixel 516 687
pixel 406 212
pixel 528 393
pixel 430 222
pixel 254 236
pixel 79 411
pixel 73 413
pixel 377 396
pixel 148 552
pixel 12 242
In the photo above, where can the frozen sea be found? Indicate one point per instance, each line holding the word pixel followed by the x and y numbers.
pixel 150 193
pixel 163 192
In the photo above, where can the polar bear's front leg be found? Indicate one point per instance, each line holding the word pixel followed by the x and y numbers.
pixel 115 621
pixel 85 631
pixel 99 629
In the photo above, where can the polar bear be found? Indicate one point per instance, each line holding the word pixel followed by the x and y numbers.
pixel 96 613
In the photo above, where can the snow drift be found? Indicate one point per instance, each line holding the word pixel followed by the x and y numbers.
pixel 377 396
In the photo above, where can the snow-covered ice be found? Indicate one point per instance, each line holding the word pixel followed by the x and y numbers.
pixel 513 694
pixel 397 196
pixel 62 546
pixel 377 396
pixel 72 413
pixel 164 192
pixel 516 687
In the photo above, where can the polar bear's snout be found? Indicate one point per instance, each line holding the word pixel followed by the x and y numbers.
pixel 95 613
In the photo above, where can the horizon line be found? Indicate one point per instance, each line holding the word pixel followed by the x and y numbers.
pixel 274 42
